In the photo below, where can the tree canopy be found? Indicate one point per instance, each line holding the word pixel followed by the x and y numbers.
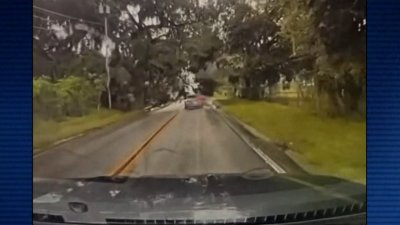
pixel 154 41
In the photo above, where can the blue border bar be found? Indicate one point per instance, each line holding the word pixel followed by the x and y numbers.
pixel 16 112
pixel 383 112
pixel 383 106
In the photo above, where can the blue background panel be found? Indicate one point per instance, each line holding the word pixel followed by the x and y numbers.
pixel 383 130
pixel 383 107
pixel 16 112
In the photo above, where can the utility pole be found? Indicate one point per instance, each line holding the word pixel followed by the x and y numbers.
pixel 104 9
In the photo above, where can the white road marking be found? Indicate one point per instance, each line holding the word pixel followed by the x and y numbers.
pixel 259 152
pixel 268 160
pixel 41 153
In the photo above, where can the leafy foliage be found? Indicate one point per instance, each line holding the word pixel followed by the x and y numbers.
pixel 70 96
pixel 45 100
pixel 256 44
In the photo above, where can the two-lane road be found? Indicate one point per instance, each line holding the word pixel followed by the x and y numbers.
pixel 197 142
pixel 193 142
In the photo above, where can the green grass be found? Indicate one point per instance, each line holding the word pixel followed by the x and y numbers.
pixel 48 132
pixel 335 146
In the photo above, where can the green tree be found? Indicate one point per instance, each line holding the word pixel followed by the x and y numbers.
pixel 45 100
pixel 76 95
pixel 152 39
pixel 340 28
pixel 254 36
pixel 297 25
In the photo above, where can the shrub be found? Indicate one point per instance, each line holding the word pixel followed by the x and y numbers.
pixel 69 96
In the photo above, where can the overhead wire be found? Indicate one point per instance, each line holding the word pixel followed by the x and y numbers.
pixel 44 19
pixel 65 16
pixel 40 28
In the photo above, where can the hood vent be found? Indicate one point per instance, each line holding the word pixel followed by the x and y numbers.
pixel 275 219
pixel 272 219
pixel 48 218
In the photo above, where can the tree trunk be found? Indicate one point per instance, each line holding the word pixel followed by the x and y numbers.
pixel 99 101
pixel 300 93
pixel 293 46
pixel 316 96
pixel 338 102
pixel 108 84
pixel 341 106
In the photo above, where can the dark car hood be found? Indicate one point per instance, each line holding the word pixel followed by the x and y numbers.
pixel 210 197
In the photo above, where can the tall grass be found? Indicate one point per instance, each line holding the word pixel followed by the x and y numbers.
pixel 47 132
pixel 335 146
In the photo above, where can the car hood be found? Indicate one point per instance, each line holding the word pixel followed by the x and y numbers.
pixel 192 198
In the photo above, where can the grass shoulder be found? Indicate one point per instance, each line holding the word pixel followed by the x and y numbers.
pixel 48 132
pixel 335 146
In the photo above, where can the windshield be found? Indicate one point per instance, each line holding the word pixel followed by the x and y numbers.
pixel 191 88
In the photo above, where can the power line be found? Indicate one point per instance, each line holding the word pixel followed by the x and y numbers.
pixel 65 16
pixel 44 19
pixel 40 28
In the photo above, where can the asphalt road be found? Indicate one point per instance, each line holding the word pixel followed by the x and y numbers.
pixel 197 142
pixel 194 142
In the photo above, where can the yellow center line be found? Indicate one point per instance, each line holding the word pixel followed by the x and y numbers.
pixel 127 165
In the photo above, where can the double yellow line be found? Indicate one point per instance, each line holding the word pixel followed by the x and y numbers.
pixel 127 166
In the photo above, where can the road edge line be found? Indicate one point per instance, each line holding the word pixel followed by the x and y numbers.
pixel 260 153
pixel 55 144
pixel 123 166
pixel 52 146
